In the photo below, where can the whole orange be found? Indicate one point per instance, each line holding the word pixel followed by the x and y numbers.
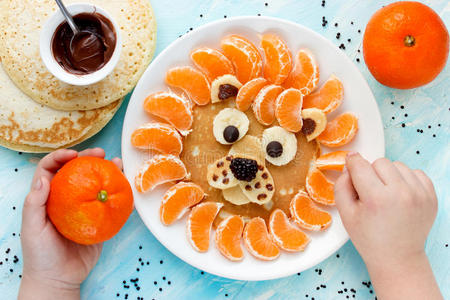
pixel 90 200
pixel 405 45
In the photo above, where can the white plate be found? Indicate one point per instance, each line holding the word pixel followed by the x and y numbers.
pixel 358 99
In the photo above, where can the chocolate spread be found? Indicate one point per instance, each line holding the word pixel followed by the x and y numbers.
pixel 90 49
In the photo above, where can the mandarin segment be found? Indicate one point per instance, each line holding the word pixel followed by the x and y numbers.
pixel 288 110
pixel 332 161
pixel 284 234
pixel 305 73
pixel 192 82
pixel 247 93
pixel 319 188
pixel 171 108
pixel 199 224
pixel 328 97
pixel 158 170
pixel 211 62
pixel 339 131
pixel 228 238
pixel 308 215
pixel 178 199
pixel 264 104
pixel 244 55
pixel 258 241
pixel 278 58
pixel 161 137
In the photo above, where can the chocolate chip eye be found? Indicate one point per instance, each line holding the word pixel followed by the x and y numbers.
pixel 274 149
pixel 230 125
pixel 231 134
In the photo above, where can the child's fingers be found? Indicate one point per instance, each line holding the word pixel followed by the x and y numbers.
pixel 118 162
pixel 50 163
pixel 426 181
pixel 34 209
pixel 55 160
pixel 363 176
pixel 411 179
pixel 96 152
pixel 345 195
pixel 387 172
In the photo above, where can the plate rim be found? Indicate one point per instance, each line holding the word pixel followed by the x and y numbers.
pixel 172 248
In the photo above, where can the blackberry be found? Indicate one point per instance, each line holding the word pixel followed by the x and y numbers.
pixel 244 169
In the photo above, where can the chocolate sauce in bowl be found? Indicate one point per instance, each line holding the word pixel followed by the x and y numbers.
pixel 89 50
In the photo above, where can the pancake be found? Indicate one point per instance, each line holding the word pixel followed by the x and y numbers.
pixel 21 23
pixel 200 149
pixel 28 126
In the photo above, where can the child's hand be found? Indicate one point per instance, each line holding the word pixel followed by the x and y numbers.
pixel 388 210
pixel 54 267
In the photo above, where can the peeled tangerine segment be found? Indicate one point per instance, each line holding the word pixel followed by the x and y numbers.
pixel 244 55
pixel 287 236
pixel 247 93
pixel 211 62
pixel 264 104
pixel 199 224
pixel 219 174
pixel 319 188
pixel 158 170
pixel 192 82
pixel 339 131
pixel 224 87
pixel 332 161
pixel 235 196
pixel 261 189
pixel 228 238
pixel 328 97
pixel 161 137
pixel 258 242
pixel 308 215
pixel 172 108
pixel 288 110
pixel 314 123
pixel 278 58
pixel 305 73
pixel 178 199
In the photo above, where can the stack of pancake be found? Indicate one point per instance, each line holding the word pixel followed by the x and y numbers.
pixel 38 112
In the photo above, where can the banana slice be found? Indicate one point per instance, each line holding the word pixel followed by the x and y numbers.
pixel 230 125
pixel 314 122
pixel 219 174
pixel 235 196
pixel 261 189
pixel 279 145
pixel 248 147
pixel 224 87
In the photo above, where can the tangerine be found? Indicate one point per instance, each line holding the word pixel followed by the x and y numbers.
pixel 90 200
pixel 405 45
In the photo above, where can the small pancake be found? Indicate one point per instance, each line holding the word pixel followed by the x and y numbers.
pixel 28 126
pixel 201 149
pixel 21 23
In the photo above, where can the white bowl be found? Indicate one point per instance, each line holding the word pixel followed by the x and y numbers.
pixel 358 98
pixel 55 68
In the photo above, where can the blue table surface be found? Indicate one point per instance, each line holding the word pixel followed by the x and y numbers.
pixel 416 126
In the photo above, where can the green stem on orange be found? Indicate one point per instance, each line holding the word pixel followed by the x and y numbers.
pixel 102 196
pixel 409 41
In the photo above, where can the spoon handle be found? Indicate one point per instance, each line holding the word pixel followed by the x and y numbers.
pixel 68 17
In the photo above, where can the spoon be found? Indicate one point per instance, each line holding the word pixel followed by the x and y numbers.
pixel 91 39
pixel 68 17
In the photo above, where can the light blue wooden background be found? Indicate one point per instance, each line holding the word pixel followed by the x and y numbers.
pixel 427 106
